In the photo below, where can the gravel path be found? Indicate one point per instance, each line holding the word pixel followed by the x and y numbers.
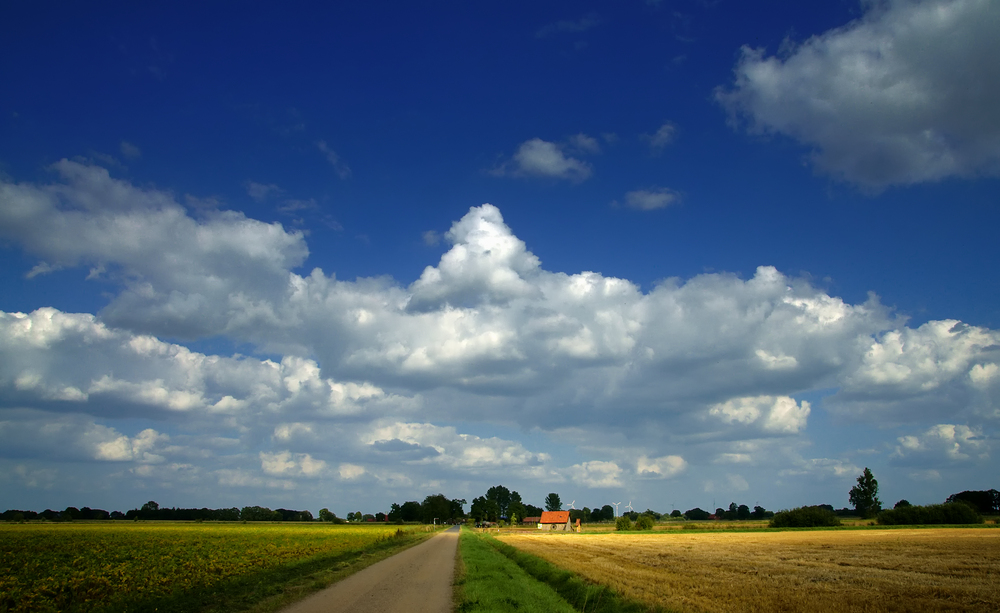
pixel 416 580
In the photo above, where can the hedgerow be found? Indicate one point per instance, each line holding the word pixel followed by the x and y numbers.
pixel 805 517
pixel 948 513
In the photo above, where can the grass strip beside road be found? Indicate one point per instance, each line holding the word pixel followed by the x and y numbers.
pixel 489 581
pixel 579 594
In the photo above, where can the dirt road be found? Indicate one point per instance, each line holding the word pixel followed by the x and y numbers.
pixel 416 580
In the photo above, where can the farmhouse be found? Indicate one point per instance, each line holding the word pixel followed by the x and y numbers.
pixel 554 520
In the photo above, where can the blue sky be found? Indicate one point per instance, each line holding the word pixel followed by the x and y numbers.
pixel 678 253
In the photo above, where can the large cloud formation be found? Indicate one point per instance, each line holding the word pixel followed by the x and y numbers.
pixel 908 93
pixel 384 385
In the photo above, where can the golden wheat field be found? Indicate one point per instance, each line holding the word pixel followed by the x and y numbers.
pixel 944 569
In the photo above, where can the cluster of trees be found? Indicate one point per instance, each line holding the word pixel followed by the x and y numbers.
pixel 734 512
pixel 436 508
pixel 986 502
pixel 501 503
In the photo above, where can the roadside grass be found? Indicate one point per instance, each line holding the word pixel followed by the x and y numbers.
pixel 486 580
pixel 511 579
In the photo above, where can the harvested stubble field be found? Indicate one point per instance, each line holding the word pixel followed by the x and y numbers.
pixel 934 569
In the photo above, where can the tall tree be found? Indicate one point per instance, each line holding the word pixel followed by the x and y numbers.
pixel 501 496
pixel 492 510
pixel 516 507
pixel 410 511
pixel 484 510
pixel 864 495
pixel 478 509
pixel 457 508
pixel 553 502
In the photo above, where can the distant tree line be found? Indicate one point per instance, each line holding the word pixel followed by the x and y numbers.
pixel 68 514
pixel 152 511
pixel 502 504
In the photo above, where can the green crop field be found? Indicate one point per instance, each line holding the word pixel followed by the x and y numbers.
pixel 171 566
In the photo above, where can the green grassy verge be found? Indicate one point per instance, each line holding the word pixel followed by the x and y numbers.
pixel 581 595
pixel 489 581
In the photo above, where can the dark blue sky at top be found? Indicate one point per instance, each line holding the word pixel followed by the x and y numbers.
pixel 420 101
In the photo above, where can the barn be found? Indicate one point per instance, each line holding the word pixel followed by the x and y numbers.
pixel 554 520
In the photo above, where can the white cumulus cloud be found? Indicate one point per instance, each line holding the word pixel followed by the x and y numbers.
pixel 661 468
pixel 542 158
pixel 942 444
pixel 779 414
pixel 908 93
pixel 672 381
pixel 650 199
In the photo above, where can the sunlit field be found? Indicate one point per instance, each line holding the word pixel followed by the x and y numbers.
pixel 940 569
pixel 127 566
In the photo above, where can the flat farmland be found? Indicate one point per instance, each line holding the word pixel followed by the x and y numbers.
pixel 933 569
pixel 126 566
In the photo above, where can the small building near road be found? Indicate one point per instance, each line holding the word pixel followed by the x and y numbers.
pixel 554 520
pixel 531 520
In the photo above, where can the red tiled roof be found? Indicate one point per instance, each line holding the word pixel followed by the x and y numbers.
pixel 531 520
pixel 554 517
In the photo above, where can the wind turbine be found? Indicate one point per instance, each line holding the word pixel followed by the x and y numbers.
pixel 629 507
pixel 616 507
pixel 571 505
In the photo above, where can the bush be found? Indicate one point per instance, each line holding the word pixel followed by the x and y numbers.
pixel 805 517
pixel 644 522
pixel 948 513
pixel 623 523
